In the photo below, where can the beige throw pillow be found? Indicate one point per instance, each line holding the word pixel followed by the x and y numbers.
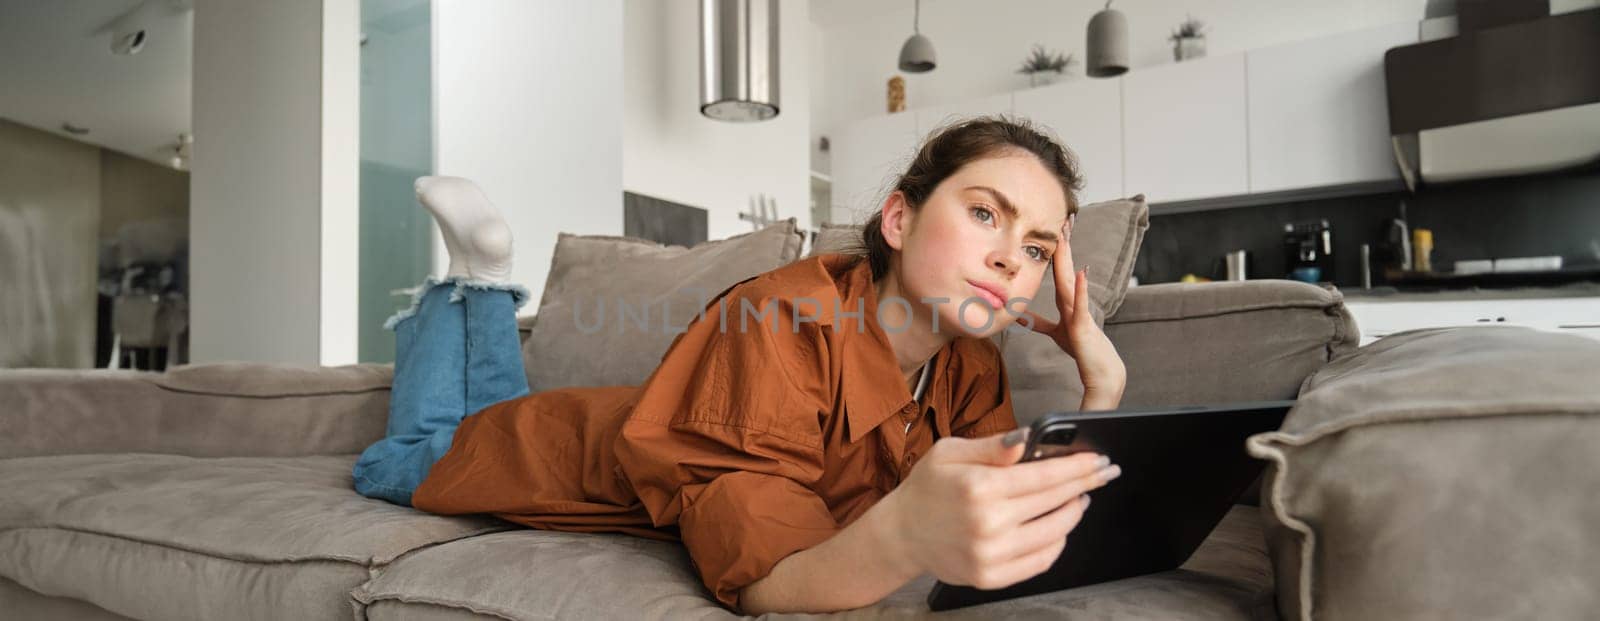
pixel 647 291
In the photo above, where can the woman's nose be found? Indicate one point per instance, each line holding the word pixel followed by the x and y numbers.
pixel 1004 259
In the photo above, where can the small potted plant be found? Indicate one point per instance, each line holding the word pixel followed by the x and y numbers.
pixel 1189 40
pixel 1045 67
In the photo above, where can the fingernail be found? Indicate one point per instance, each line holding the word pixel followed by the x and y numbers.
pixel 1110 473
pixel 1102 462
pixel 1086 500
pixel 1015 437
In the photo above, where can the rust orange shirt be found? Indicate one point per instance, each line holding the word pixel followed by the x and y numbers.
pixel 748 443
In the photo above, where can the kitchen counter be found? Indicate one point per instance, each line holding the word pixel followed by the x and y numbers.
pixel 1390 294
pixel 1572 309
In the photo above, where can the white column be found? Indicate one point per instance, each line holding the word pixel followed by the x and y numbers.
pixel 274 210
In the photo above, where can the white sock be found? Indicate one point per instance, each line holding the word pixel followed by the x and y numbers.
pixel 475 234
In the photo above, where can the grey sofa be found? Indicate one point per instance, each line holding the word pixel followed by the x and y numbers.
pixel 1437 474
pixel 223 491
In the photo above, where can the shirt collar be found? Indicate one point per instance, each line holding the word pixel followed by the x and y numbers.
pixel 873 390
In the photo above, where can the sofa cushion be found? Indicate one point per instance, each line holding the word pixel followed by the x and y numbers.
pixel 1220 342
pixel 612 305
pixel 22 603
pixel 1443 473
pixel 1195 343
pixel 171 537
pixel 836 238
pixel 237 409
pixel 549 575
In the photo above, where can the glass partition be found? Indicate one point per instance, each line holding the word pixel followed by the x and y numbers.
pixel 396 148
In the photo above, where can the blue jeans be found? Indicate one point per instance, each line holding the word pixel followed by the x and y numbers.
pixel 456 352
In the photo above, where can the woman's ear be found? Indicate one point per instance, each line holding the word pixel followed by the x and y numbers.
pixel 897 219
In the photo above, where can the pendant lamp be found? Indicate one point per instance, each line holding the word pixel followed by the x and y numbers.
pixel 739 59
pixel 1108 43
pixel 917 56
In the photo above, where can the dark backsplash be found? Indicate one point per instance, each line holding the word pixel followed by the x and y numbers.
pixel 1553 214
pixel 661 220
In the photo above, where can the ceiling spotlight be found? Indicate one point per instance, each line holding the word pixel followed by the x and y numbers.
pixel 127 42
pixel 131 30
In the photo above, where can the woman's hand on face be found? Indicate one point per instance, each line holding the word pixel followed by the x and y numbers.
pixel 1076 333
pixel 970 515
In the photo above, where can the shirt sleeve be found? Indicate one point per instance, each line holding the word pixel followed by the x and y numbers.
pixel 726 444
pixel 983 406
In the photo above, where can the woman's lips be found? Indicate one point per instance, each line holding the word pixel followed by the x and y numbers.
pixel 992 298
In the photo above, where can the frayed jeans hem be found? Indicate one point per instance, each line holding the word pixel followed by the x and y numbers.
pixel 518 292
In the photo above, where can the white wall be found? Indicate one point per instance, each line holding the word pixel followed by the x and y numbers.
pixel 527 97
pixel 817 85
pixel 671 151
pixel 273 215
pixel 981 43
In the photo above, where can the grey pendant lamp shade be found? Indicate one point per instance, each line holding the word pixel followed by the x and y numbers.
pixel 739 59
pixel 1108 43
pixel 917 56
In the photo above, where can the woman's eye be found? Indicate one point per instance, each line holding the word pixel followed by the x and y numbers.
pixel 983 215
pixel 1038 254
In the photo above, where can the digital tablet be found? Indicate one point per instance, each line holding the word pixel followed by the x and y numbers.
pixel 1183 468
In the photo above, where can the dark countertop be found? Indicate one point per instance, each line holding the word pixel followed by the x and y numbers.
pixel 1390 294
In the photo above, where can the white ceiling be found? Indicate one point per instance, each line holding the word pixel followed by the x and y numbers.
pixel 57 68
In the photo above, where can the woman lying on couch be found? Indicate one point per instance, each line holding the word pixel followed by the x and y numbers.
pixel 857 434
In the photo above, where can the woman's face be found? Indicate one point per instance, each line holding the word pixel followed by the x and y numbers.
pixel 983 238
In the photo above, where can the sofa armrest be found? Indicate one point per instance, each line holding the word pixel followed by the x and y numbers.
pixel 207 410
pixel 1221 342
pixel 1443 473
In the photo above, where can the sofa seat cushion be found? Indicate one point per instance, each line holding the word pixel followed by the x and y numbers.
pixel 170 537
pixel 529 574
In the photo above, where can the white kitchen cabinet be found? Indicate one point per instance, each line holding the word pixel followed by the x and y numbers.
pixel 935 117
pixel 1184 130
pixel 1086 115
pixel 1319 113
pixel 1578 316
pixel 867 157
pixel 1300 116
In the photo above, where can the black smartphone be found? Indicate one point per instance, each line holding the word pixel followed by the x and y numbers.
pixel 1051 438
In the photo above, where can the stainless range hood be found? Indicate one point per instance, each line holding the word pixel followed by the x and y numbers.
pixel 1507 95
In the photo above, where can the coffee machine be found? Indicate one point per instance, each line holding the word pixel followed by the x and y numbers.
pixel 1308 251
